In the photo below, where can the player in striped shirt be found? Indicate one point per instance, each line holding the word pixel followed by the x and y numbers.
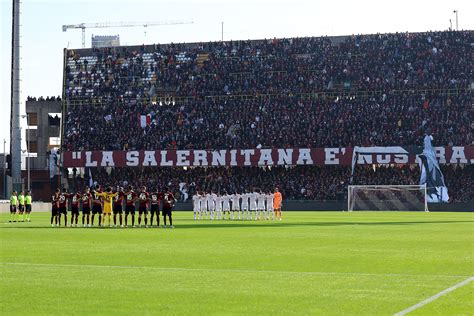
pixel 130 199
pixel 86 208
pixel 75 198
pixel 63 204
pixel 143 198
pixel 118 206
pixel 155 198
pixel 168 203
pixel 54 208
pixel 97 205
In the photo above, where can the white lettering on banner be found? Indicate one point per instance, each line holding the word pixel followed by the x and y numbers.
pixel 330 156
pixel 247 153
pixel 262 157
pixel 440 154
pixel 285 156
pixel 200 158
pixel 233 157
pixel 400 158
pixel 132 158
pixel 218 157
pixel 458 155
pixel 304 157
pixel 265 157
pixel 107 159
pixel 89 162
pixel 149 159
pixel 382 159
pixel 182 158
pixel 165 162
pixel 364 159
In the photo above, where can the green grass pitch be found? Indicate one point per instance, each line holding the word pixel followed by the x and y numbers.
pixel 312 263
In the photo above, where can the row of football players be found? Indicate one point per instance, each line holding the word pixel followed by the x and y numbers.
pixel 260 205
pixel 112 201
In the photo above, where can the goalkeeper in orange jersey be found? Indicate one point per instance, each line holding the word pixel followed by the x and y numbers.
pixel 108 196
pixel 277 199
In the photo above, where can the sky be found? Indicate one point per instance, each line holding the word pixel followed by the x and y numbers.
pixel 42 39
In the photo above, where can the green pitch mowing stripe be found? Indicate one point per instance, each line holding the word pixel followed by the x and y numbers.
pixel 311 263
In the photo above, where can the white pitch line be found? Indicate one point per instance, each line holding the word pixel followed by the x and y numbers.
pixel 229 270
pixel 434 297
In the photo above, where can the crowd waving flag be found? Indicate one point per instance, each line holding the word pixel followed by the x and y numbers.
pixel 145 120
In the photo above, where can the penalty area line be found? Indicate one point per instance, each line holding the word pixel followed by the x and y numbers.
pixel 434 297
pixel 321 273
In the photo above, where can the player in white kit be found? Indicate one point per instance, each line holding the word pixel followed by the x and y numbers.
pixel 196 204
pixel 253 197
pixel 203 205
pixel 211 204
pixel 245 205
pixel 219 201
pixel 260 206
pixel 270 213
pixel 226 205
pixel 235 204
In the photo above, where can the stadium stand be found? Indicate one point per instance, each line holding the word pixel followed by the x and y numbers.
pixel 367 90
pixel 280 121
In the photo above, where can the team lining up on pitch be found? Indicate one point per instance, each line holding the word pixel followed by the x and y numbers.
pixel 249 205
pixel 214 206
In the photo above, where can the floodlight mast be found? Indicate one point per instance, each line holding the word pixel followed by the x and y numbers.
pixel 84 26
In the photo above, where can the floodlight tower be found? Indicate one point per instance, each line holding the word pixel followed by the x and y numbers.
pixel 15 130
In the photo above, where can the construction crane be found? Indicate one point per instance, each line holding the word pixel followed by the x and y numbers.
pixel 83 26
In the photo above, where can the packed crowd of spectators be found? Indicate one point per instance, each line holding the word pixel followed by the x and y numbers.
pixel 296 65
pixel 386 120
pixel 296 183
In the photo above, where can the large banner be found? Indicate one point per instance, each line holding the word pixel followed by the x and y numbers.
pixel 431 174
pixel 263 157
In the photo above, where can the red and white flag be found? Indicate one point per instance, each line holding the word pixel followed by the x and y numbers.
pixel 145 120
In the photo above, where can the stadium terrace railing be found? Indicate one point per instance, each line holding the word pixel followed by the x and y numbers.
pixel 80 100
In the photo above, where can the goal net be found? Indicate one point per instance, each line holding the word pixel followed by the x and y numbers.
pixel 387 198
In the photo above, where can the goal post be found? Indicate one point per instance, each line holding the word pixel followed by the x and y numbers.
pixel 387 198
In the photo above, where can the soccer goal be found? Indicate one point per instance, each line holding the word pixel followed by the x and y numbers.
pixel 387 198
